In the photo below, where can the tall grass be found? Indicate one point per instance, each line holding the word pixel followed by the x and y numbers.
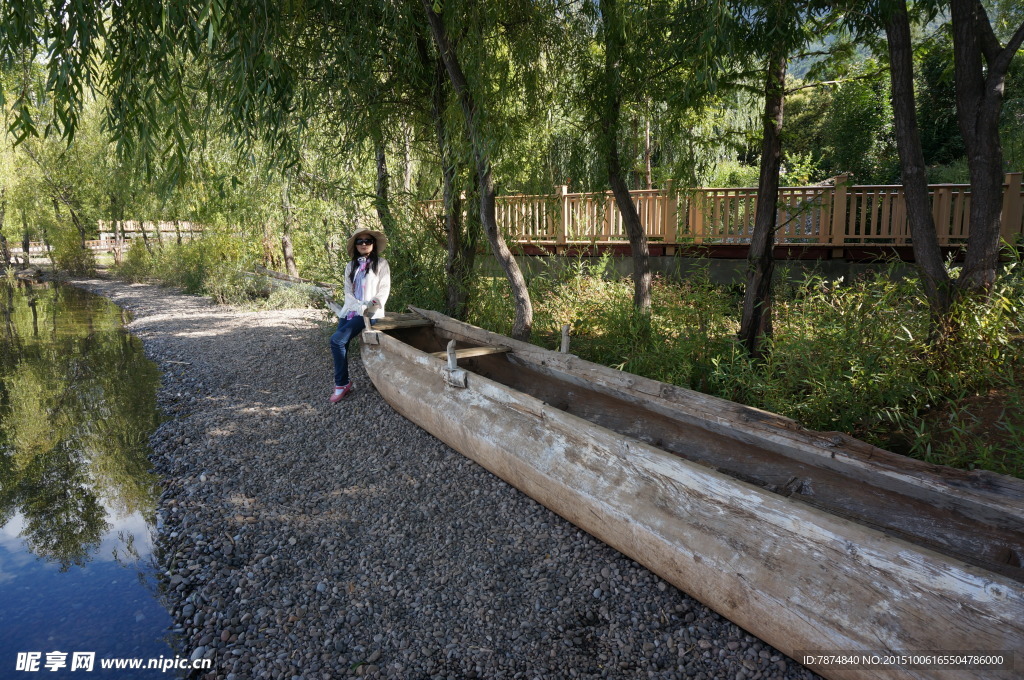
pixel 206 267
pixel 848 356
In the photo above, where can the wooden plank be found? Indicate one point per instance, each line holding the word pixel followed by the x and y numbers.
pixel 469 352
pixel 718 225
pixel 696 221
pixel 958 229
pixel 884 228
pixel 840 206
pixel 390 323
pixel 1013 208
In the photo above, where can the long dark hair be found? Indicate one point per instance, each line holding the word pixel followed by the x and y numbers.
pixel 374 258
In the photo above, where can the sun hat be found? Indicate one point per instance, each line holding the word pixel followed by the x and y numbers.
pixel 378 236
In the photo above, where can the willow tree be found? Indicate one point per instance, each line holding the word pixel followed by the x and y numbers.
pixel 610 96
pixel 476 114
pixel 745 45
pixel 925 242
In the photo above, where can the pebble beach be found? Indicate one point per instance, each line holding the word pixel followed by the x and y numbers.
pixel 302 540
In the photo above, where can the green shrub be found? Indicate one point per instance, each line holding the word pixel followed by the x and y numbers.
pixel 184 266
pixel 851 356
pixel 137 264
pixel 69 256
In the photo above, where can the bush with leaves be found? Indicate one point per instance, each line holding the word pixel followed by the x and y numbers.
pixel 69 256
pixel 137 264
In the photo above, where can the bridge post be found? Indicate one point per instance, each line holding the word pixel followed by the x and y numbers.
pixel 671 216
pixel 837 226
pixel 562 225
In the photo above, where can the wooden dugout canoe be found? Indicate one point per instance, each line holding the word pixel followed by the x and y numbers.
pixel 815 542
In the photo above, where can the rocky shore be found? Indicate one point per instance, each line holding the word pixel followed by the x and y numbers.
pixel 300 539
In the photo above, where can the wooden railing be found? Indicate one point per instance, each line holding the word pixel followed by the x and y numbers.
pixel 836 215
pixel 129 228
pixel 40 248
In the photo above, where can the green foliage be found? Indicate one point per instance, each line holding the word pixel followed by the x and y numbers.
pixel 137 265
pixel 417 266
pixel 69 256
pixel 1011 123
pixel 734 174
pixel 201 267
pixel 265 122
pixel 956 172
pixel 936 102
pixel 185 266
pixel 851 356
pixel 858 135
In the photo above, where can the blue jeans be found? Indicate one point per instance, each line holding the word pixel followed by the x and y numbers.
pixel 347 329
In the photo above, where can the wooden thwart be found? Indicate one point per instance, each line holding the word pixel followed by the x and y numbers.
pixel 470 352
pixel 390 323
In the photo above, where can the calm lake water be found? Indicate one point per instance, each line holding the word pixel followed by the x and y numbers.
pixel 77 498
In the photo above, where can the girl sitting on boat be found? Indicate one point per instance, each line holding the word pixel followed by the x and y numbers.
pixel 367 285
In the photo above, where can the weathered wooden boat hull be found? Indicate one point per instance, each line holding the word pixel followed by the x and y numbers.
pixel 804 580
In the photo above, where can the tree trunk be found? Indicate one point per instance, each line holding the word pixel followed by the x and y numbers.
pixel 460 240
pixel 980 64
pixel 614 40
pixel 330 245
pixel 357 215
pixel 117 212
pixel 523 323
pixel 288 252
pixel 382 200
pixel 927 255
pixel 647 153
pixel 286 233
pixel 407 167
pixel 79 227
pixel 756 324
pixel 118 241
pixel 25 235
pixel 145 237
pixel 76 220
pixel 269 258
pixel 4 250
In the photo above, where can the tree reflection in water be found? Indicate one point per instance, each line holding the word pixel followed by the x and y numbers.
pixel 77 404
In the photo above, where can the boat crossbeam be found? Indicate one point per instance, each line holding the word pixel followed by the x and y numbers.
pixel 470 352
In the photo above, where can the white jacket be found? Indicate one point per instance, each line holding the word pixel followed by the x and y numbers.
pixel 377 286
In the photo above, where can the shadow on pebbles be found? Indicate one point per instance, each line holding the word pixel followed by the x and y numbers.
pixel 300 539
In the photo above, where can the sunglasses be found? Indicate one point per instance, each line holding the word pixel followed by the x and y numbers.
pixel 365 241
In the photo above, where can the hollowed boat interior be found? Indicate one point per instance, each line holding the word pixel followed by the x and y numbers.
pixel 939 521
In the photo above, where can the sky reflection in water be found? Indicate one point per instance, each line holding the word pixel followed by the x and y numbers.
pixel 77 499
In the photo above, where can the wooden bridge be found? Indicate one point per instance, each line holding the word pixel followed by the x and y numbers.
pixel 830 221
pixel 127 230
pixel 815 222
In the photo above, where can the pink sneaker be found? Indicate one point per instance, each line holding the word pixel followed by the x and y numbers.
pixel 337 395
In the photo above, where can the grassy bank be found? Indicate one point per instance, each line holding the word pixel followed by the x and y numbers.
pixel 850 356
